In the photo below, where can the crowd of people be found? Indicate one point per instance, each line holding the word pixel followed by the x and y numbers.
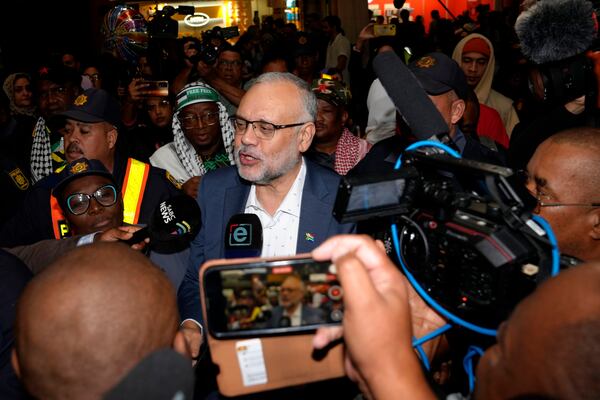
pixel 267 124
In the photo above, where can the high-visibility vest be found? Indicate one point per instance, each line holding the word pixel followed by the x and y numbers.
pixel 134 187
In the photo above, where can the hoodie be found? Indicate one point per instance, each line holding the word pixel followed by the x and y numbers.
pixel 484 91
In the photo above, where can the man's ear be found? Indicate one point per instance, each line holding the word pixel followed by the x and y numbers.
pixel 595 232
pixel 344 117
pixel 15 362
pixel 457 111
pixel 305 136
pixel 112 135
pixel 179 344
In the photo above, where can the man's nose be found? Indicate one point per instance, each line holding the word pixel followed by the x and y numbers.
pixel 95 207
pixel 249 137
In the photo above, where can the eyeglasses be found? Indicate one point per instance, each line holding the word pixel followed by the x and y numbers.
pixel 225 63
pixel 79 203
pixel 545 200
pixel 262 129
pixel 53 91
pixel 93 77
pixel 207 119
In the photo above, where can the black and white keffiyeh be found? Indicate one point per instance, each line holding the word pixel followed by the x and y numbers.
pixel 41 151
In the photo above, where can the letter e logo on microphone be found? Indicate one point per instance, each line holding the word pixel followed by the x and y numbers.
pixel 240 235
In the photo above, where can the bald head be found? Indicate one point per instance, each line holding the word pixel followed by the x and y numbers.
pixel 89 318
pixel 550 346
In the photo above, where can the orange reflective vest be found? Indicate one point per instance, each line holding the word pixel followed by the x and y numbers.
pixel 134 186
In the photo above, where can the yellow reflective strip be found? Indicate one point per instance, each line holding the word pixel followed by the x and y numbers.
pixel 133 189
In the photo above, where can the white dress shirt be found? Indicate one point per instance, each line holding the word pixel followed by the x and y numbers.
pixel 296 317
pixel 280 231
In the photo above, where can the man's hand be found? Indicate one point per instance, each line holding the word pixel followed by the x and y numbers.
pixel 193 338
pixel 190 187
pixel 365 35
pixel 204 70
pixel 576 106
pixel 137 90
pixel 121 233
pixel 377 319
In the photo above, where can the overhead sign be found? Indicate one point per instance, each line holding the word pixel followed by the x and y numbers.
pixel 197 20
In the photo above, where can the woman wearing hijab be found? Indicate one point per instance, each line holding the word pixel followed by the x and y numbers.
pixel 16 132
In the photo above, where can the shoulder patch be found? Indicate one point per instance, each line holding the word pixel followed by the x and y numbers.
pixel 172 179
pixel 19 179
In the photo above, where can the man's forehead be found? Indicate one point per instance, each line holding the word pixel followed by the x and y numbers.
pixel 154 101
pixel 229 55
pixel 475 55
pixel 46 84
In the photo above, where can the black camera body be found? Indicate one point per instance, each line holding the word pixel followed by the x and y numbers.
pixel 463 232
pixel 206 53
pixel 565 80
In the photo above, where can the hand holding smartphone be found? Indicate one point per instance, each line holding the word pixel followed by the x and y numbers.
pixel 260 317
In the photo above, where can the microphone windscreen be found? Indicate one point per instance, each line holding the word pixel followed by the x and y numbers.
pixel 408 96
pixel 174 225
pixel 553 30
pixel 243 236
pixel 164 374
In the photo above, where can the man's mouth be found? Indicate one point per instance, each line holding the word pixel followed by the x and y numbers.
pixel 102 224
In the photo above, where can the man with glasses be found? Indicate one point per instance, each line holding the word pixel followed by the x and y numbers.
pixel 88 196
pixel 227 78
pixel 90 131
pixel 202 137
pixel 564 177
pixel 292 197
pixel 291 310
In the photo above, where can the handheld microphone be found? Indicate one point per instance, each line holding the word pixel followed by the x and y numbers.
pixel 174 223
pixel 243 236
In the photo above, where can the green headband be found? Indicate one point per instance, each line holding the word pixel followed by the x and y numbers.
pixel 196 94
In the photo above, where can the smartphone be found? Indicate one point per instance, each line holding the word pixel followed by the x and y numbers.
pixel 384 29
pixel 230 32
pixel 270 297
pixel 156 88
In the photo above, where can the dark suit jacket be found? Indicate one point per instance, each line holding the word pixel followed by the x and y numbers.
pixel 309 316
pixel 223 193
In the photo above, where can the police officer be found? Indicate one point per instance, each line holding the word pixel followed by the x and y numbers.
pixel 91 131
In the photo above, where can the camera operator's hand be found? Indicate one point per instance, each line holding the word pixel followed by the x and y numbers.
pixel 576 106
pixel 193 338
pixel 190 187
pixel 377 320
pixel 121 233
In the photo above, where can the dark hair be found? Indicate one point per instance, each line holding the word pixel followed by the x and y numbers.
pixel 228 47
pixel 274 56
pixel 334 21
